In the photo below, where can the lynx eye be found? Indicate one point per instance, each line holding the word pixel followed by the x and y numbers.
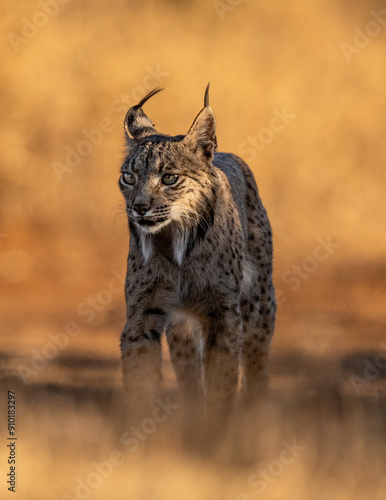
pixel 128 179
pixel 169 179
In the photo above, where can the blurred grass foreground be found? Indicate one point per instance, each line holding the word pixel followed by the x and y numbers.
pixel 298 91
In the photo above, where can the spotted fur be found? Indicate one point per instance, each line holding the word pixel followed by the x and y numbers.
pixel 199 268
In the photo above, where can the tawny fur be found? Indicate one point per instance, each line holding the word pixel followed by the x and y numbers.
pixel 199 268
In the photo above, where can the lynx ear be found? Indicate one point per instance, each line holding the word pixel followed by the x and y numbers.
pixel 202 134
pixel 137 124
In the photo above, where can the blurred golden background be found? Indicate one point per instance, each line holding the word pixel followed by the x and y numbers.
pixel 298 89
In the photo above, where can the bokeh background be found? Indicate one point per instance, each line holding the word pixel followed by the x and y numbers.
pixel 69 71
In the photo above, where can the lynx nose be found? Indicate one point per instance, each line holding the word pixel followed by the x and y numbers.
pixel 140 208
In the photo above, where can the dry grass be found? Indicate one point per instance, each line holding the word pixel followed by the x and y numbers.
pixel 322 175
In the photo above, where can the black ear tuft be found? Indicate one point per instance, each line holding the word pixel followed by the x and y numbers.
pixel 206 96
pixel 137 124
pixel 147 97
pixel 202 134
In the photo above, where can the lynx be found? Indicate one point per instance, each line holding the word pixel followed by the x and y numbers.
pixel 199 268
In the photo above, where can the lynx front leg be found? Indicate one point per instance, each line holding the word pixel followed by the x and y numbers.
pixel 141 348
pixel 222 359
pixel 184 336
pixel 141 368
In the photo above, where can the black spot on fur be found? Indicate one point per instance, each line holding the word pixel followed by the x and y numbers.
pixel 155 335
pixel 155 310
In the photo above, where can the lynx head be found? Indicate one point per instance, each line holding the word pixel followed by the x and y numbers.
pixel 168 182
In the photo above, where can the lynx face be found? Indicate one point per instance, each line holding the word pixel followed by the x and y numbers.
pixel 169 181
pixel 163 181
